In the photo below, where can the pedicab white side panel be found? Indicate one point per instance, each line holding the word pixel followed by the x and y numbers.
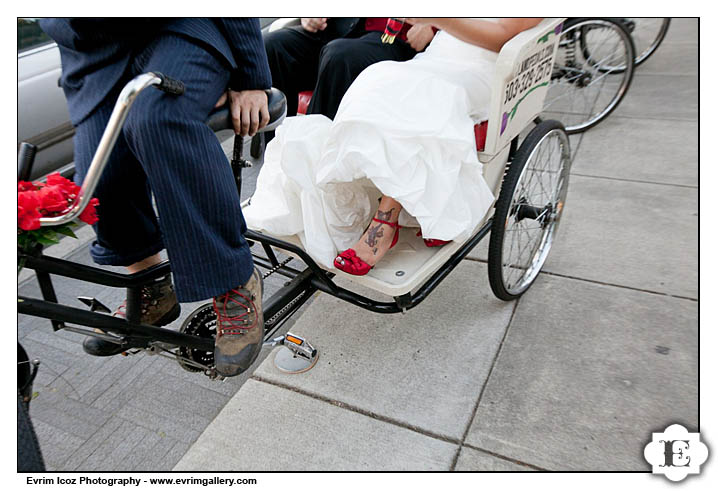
pixel 523 74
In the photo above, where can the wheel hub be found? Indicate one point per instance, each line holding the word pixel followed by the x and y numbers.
pixel 584 80
pixel 522 210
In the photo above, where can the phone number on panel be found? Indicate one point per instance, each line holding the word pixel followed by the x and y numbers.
pixel 523 82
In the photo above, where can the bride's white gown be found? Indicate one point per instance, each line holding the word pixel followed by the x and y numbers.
pixel 404 130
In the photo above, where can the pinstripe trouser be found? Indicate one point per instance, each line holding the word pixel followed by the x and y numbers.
pixel 166 149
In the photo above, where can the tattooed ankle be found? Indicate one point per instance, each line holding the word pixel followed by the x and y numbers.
pixel 384 215
pixel 373 235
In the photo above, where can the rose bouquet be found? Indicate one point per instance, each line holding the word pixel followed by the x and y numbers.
pixel 37 200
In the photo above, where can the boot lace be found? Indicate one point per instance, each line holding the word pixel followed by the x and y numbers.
pixel 228 325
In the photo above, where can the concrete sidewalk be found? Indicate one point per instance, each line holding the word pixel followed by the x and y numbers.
pixel 573 376
pixel 121 413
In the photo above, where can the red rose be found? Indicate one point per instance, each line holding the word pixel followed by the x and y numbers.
pixel 52 199
pixel 36 199
pixel 68 188
pixel 28 200
pixel 55 179
pixel 28 216
pixel 89 214
pixel 25 186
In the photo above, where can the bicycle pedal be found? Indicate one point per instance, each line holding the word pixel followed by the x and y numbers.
pixel 95 305
pixel 299 346
pixel 296 356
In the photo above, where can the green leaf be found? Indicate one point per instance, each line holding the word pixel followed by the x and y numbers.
pixel 36 234
pixel 47 240
pixel 65 230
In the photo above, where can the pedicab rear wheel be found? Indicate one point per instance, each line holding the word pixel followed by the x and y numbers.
pixel 647 33
pixel 592 72
pixel 528 210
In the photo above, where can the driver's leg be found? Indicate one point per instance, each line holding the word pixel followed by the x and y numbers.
pixel 128 232
pixel 195 193
pixel 196 196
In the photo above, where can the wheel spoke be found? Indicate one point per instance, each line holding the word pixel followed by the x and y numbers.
pixel 592 73
pixel 526 234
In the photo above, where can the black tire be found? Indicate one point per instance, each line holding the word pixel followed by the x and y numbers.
pixel 648 33
pixel 29 456
pixel 517 202
pixel 580 94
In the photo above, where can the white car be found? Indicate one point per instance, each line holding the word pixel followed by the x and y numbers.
pixel 43 119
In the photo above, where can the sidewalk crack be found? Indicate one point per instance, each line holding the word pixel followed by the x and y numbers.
pixel 483 388
pixel 597 282
pixel 638 181
pixel 358 410
pixel 603 283
pixel 503 457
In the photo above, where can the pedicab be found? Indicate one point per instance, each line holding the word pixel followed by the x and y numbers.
pixel 528 174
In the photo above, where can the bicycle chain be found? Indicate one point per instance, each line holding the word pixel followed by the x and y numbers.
pixel 209 371
pixel 284 309
pixel 276 268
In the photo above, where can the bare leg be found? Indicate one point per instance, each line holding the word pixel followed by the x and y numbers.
pixel 144 264
pixel 378 237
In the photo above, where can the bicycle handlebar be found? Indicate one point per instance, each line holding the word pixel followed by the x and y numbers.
pixel 220 119
pixel 109 137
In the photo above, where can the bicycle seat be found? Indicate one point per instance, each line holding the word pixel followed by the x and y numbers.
pixel 221 119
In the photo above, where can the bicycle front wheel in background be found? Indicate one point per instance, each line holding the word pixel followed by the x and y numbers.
pixel 647 34
pixel 592 72
pixel 528 210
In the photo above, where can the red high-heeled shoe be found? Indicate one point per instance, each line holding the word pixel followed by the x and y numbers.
pixel 349 262
pixel 433 242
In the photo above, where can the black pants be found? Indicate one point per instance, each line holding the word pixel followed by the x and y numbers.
pixel 300 60
pixel 166 146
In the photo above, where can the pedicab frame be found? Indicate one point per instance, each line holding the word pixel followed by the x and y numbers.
pixel 522 75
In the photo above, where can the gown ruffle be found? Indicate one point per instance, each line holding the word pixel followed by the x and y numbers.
pixel 403 129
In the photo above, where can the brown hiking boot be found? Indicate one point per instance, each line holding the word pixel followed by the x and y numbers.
pixel 240 327
pixel 158 307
